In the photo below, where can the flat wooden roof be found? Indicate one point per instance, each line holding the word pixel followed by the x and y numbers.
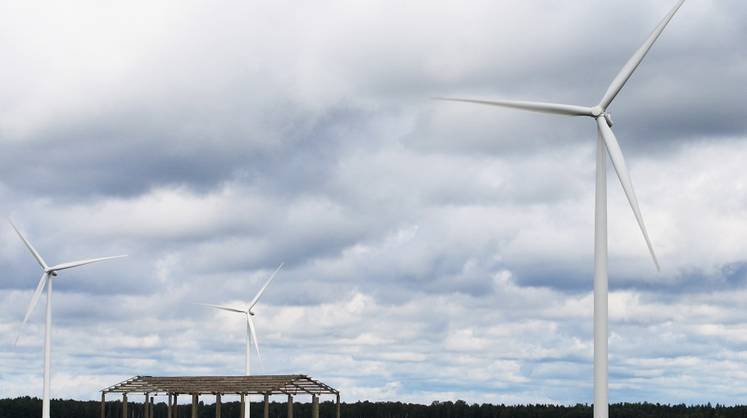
pixel 270 385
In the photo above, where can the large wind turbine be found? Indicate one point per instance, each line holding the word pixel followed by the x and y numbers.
pixel 48 276
pixel 606 142
pixel 251 333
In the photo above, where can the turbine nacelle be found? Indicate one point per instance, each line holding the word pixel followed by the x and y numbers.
pixel 608 118
pixel 600 112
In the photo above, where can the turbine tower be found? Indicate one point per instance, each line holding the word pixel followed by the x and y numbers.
pixel 606 144
pixel 251 333
pixel 47 278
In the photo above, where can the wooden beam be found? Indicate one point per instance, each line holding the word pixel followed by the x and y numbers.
pixel 314 406
pixel 211 385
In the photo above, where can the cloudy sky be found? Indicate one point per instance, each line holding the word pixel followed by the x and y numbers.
pixel 433 250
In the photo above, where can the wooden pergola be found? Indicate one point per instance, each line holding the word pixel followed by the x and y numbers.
pixel 288 385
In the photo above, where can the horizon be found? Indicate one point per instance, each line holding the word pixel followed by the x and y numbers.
pixel 229 399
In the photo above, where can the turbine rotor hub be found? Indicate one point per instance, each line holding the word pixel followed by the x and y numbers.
pixel 597 111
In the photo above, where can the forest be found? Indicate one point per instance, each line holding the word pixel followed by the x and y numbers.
pixel 26 407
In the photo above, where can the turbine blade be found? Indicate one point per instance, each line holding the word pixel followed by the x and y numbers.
pixel 224 308
pixel 262 290
pixel 250 325
pixel 31 248
pixel 630 66
pixel 553 108
pixel 79 263
pixel 34 300
pixel 613 148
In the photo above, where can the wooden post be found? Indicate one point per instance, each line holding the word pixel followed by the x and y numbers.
pixel 168 407
pixel 243 406
pixel 146 414
pixel 337 406
pixel 103 405
pixel 267 406
pixel 194 405
pixel 314 406
pixel 290 406
pixel 152 407
pixel 217 405
pixel 176 407
pixel 124 405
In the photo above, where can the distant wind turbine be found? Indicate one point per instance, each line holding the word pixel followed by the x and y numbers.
pixel 251 333
pixel 46 279
pixel 606 143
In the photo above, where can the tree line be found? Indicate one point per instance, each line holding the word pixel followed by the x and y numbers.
pixel 27 407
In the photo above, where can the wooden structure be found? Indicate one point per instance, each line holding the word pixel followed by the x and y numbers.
pixel 287 385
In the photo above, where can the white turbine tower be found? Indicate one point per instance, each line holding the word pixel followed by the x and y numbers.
pixel 606 142
pixel 47 279
pixel 251 333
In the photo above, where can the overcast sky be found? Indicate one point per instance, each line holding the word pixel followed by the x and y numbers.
pixel 432 250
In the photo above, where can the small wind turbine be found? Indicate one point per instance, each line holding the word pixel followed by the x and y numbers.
pixel 251 333
pixel 46 279
pixel 606 143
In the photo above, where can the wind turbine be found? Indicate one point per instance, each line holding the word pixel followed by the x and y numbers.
pixel 47 278
pixel 606 141
pixel 251 333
